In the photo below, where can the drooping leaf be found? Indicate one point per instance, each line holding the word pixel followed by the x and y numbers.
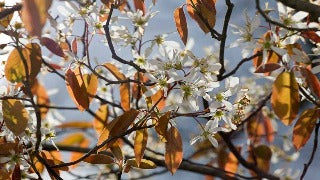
pixel 74 46
pixel 261 156
pixel 139 4
pixel 156 97
pixel 125 96
pixel 14 67
pixel 268 67
pixel 181 24
pixel 114 71
pixel 206 8
pixel 162 126
pixel 304 127
pixel 173 152
pixel 140 144
pixel 101 120
pixel 285 97
pixel 15 116
pixel 77 93
pixel 99 159
pixel 228 161
pixel 118 126
pixel 42 97
pixel 91 84
pixel 144 164
pixel 34 14
pixel 52 45
pixel 76 124
pixel 312 81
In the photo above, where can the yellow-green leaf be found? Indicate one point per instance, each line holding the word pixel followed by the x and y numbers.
pixel 285 97
pixel 181 24
pixel 99 159
pixel 144 164
pixel 34 15
pixel 101 120
pixel 174 153
pixel 15 116
pixel 140 144
pixel 14 68
pixel 304 127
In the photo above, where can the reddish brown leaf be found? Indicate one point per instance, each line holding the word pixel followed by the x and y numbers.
pixel 15 116
pixel 125 96
pixel 162 126
pixel 303 128
pixel 16 175
pixel 52 45
pixel 74 46
pixel 34 15
pixel 181 24
pixel 285 97
pixel 77 93
pixel 261 155
pixel 268 67
pixel 139 4
pixel 140 144
pixel 99 159
pixel 312 81
pixel 174 152
pixel 311 35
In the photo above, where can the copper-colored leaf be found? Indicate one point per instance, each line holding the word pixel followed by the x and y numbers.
pixel 118 125
pixel 15 116
pixel 312 81
pixel 34 15
pixel 99 159
pixel 91 84
pixel 76 124
pixel 268 67
pixel 162 126
pixel 101 120
pixel 125 96
pixel 144 164
pixel 74 46
pixel 139 4
pixel 174 152
pixel 285 97
pixel 5 21
pixel 7 148
pixel 77 93
pixel 261 156
pixel 42 97
pixel 228 161
pixel 14 68
pixel 181 24
pixel 303 128
pixel 140 144
pixel 115 71
pixel 16 175
pixel 72 139
pixel 52 45
pixel 206 8
pixel 155 98
pixel 311 35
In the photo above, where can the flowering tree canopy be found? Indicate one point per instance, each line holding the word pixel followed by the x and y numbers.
pixel 138 95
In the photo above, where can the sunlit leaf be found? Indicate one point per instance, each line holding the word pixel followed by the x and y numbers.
pixel 228 161
pixel 140 144
pixel 75 124
pixel 15 116
pixel 34 15
pixel 304 127
pixel 101 120
pixel 15 69
pixel 144 164
pixel 99 159
pixel 268 67
pixel 181 24
pixel 42 97
pixel 162 126
pixel 114 71
pixel 206 8
pixel 260 126
pixel 312 81
pixel 285 97
pixel 5 21
pixel 125 96
pixel 72 139
pixel 77 93
pixel 174 152
pixel 52 45
pixel 139 4
pixel 261 156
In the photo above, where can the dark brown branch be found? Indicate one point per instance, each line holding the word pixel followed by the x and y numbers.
pixel 268 19
pixel 224 37
pixel 239 65
pixel 300 5
pixel 4 13
pixel 314 149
